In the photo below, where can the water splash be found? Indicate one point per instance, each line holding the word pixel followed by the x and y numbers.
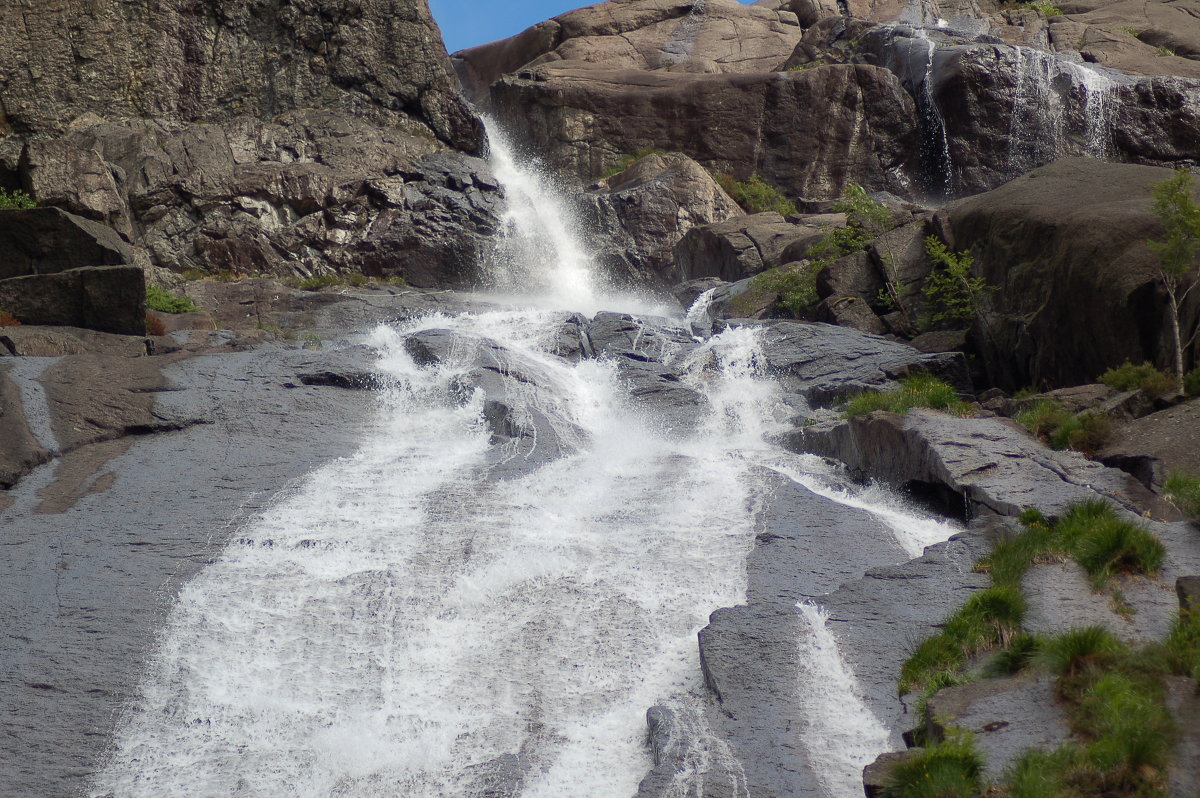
pixel 850 735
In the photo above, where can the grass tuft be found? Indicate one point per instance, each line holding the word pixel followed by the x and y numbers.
pixel 952 768
pixel 915 390
pixel 1183 490
pixel 755 195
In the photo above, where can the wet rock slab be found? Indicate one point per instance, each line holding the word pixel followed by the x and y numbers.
pixel 990 463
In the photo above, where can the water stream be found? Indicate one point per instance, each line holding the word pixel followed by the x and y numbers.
pixel 415 621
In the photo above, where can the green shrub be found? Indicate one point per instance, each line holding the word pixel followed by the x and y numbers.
pixel 1133 731
pixel 1021 652
pixel 1191 382
pixel 1183 490
pixel 755 195
pixel 16 200
pixel 1039 774
pixel 915 390
pixel 1045 8
pixel 629 159
pixel 1043 417
pixel 1144 378
pixel 952 768
pixel 1060 429
pixel 954 295
pixel 866 219
pixel 794 283
pixel 989 619
pixel 165 302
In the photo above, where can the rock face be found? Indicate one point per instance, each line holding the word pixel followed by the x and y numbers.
pixel 714 36
pixel 643 212
pixel 808 132
pixel 959 106
pixel 301 138
pixel 217 61
pixel 1065 246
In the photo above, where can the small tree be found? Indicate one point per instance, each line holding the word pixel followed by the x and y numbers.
pixel 1178 251
pixel 954 295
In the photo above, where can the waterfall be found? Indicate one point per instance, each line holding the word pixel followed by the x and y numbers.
pixel 419 620
pixel 1053 98
pixel 850 736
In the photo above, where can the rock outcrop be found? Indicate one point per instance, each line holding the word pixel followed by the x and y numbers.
pixel 961 104
pixel 640 214
pixel 1065 248
pixel 300 138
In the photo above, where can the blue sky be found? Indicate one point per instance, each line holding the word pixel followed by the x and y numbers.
pixel 466 23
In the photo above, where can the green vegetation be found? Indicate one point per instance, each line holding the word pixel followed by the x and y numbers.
pixel 1091 532
pixel 1144 378
pixel 1191 382
pixel 1165 52
pixel 819 62
pixel 1060 429
pixel 1113 693
pixel 794 283
pixel 629 159
pixel 1183 490
pixel 1044 7
pixel 1178 252
pixel 915 390
pixel 954 295
pixel 165 302
pixel 952 768
pixel 1183 644
pixel 16 200
pixel 1131 30
pixel 755 195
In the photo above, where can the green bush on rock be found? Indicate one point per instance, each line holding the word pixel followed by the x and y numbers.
pixel 1144 378
pixel 755 195
pixel 952 768
pixel 1183 490
pixel 165 302
pixel 16 200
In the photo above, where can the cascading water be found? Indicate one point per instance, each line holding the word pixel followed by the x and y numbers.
pixel 1051 97
pixel 414 620
pixel 851 736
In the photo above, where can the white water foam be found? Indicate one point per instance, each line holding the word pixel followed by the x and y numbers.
pixel 406 624
pixel 844 735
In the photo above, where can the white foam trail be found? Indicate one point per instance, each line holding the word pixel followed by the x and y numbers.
pixel 402 621
pixel 913 530
pixel 844 735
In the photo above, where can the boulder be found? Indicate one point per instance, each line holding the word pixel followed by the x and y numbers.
pixel 1006 717
pixel 49 240
pixel 987 463
pixel 807 132
pixel 1161 442
pixel 823 362
pixel 106 298
pixel 1065 247
pixel 740 247
pixel 641 213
